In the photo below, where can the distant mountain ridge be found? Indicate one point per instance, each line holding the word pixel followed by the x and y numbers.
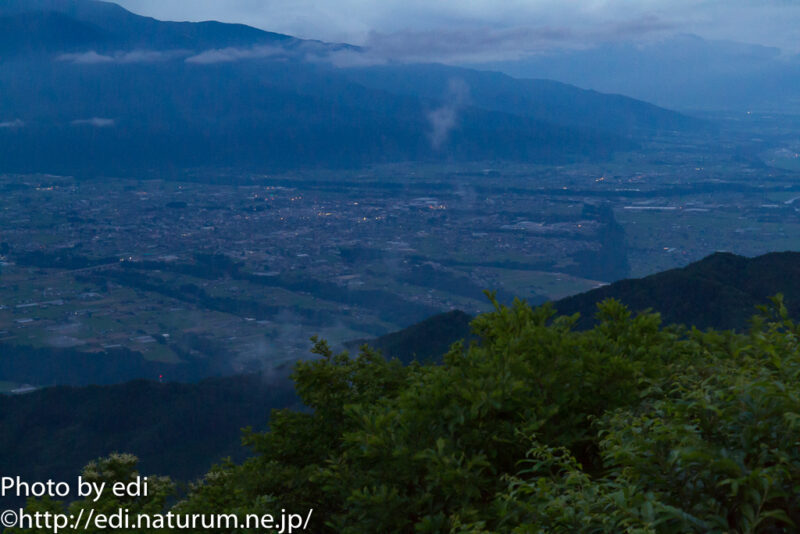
pixel 425 341
pixel 682 71
pixel 720 291
pixel 90 88
pixel 175 429
pixel 118 28
pixel 46 32
pixel 547 100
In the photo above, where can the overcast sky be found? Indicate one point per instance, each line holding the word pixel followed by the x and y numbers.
pixel 496 29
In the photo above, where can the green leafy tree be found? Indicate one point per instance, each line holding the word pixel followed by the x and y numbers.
pixel 420 448
pixel 116 468
pixel 535 427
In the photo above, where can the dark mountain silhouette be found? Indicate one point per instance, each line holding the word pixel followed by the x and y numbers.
pixel 720 291
pixel 681 71
pixel 423 341
pixel 48 366
pixel 543 99
pixel 46 32
pixel 175 429
pixel 112 27
pixel 90 88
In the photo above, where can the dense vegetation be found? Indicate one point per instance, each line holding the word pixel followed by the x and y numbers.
pixel 537 427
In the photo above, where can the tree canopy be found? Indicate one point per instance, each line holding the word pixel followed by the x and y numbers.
pixel 630 426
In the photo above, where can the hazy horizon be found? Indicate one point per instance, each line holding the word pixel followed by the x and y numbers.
pixel 484 31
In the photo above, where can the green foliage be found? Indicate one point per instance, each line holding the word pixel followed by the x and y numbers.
pixel 112 469
pixel 388 448
pixel 627 427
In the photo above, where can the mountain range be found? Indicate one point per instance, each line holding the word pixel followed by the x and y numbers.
pixel 175 429
pixel 721 291
pixel 88 87
pixel 681 71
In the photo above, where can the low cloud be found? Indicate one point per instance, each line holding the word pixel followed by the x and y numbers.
pixel 766 22
pixel 85 58
pixel 461 45
pixel 16 123
pixel 97 122
pixel 228 55
pixel 351 58
pixel 134 56
pixel 150 56
pixel 445 118
pixel 285 341
pixel 492 44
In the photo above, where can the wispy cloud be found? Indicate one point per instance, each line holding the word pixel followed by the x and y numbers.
pixel 16 123
pixel 97 122
pixel 228 55
pixel 483 43
pixel 766 22
pixel 477 44
pixel 349 58
pixel 85 58
pixel 445 118
pixel 134 56
pixel 151 56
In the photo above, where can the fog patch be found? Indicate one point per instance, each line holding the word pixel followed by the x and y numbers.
pixel 467 196
pixel 12 125
pixel 97 122
pixel 285 341
pixel 149 56
pixel 129 57
pixel 344 59
pixel 85 58
pixel 445 118
pixel 228 55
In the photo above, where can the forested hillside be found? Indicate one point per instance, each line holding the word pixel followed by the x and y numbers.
pixel 93 89
pixel 629 426
pixel 175 429
pixel 720 291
